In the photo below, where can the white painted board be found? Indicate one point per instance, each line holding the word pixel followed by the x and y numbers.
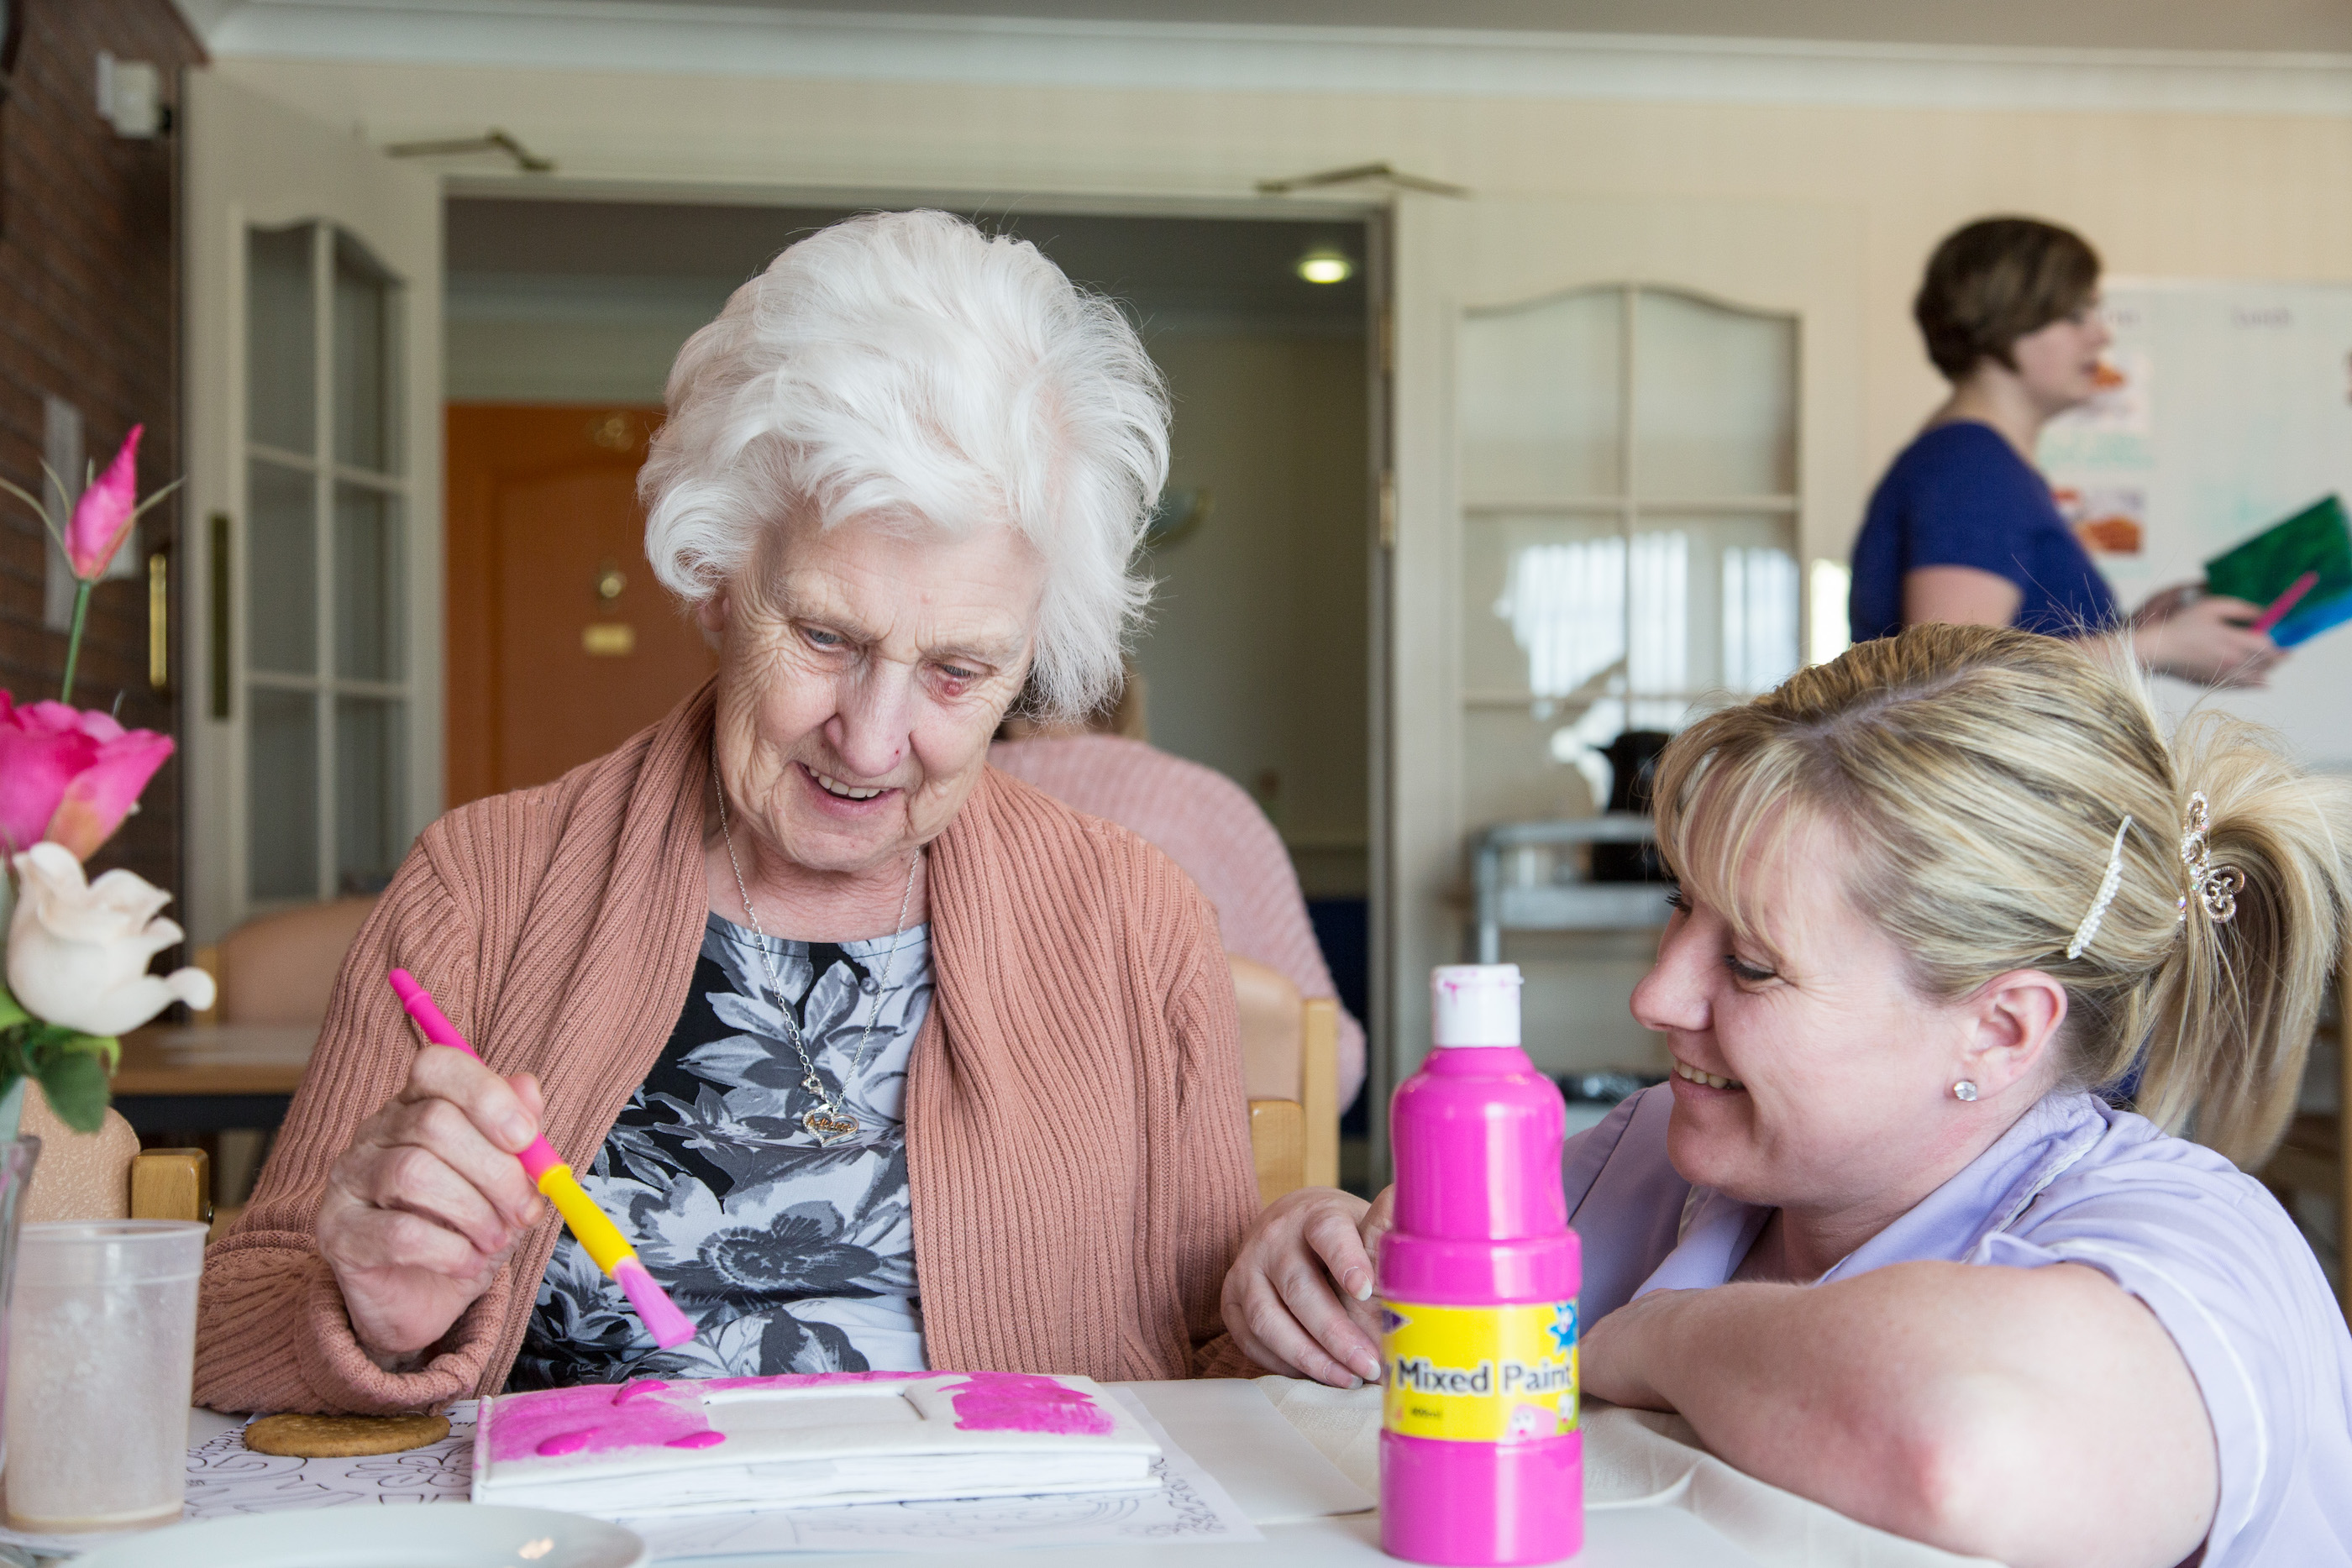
pixel 2234 410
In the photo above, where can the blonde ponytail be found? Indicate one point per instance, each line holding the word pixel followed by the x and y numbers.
pixel 1980 777
pixel 2231 1015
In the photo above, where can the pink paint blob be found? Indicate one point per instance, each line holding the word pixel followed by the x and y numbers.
pixel 520 1423
pixel 644 1413
pixel 649 1413
pixel 1017 1402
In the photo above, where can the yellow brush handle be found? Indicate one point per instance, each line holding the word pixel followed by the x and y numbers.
pixel 595 1232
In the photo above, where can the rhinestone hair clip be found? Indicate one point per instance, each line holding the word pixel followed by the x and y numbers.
pixel 2216 888
pixel 2107 885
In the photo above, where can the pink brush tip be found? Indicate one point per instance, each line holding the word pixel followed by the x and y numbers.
pixel 655 1310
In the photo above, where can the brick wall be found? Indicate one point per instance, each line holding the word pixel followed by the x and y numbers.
pixel 89 312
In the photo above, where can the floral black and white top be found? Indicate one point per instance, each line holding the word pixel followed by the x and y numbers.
pixel 789 1257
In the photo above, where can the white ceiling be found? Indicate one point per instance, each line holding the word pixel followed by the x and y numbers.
pixel 2257 57
pixel 2234 25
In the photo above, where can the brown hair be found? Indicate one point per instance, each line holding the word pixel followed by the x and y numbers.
pixel 1979 777
pixel 1993 282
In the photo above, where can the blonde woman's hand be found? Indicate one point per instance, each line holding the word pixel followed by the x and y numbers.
pixel 2205 640
pixel 1298 1298
pixel 428 1201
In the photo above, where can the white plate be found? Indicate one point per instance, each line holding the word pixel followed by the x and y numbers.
pixel 444 1535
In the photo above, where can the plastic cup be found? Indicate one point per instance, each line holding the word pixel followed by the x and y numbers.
pixel 101 1362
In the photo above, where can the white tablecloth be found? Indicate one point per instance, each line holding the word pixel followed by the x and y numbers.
pixel 1638 1459
pixel 1654 1497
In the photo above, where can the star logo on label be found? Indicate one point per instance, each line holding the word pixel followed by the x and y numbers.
pixel 1392 1320
pixel 1563 1327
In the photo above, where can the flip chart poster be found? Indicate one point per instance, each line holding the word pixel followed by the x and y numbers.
pixel 2229 406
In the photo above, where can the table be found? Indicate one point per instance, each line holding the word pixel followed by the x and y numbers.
pixel 211 1077
pixel 1654 1497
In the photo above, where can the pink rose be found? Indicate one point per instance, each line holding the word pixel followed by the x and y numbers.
pixel 70 775
pixel 104 514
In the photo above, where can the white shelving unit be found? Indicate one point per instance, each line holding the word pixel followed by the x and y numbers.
pixel 1551 902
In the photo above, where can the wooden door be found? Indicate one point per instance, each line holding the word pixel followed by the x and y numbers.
pixel 561 644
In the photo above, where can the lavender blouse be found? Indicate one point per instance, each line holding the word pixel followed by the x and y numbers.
pixel 2204 1245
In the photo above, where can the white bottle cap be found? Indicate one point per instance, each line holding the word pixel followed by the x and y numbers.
pixel 1475 1004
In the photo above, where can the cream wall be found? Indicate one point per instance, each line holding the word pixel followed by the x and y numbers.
pixel 2162 194
pixel 1254 661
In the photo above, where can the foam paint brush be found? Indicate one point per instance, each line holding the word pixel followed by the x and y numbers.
pixel 597 1234
pixel 2285 601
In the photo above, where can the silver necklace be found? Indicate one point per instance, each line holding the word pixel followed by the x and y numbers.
pixel 828 1121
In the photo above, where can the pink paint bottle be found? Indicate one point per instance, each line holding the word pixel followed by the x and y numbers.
pixel 1481 1460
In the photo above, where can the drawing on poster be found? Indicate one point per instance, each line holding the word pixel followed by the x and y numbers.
pixel 2227 411
pixel 2110 520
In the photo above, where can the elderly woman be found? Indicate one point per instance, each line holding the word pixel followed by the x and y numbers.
pixel 883 1060
pixel 1876 1238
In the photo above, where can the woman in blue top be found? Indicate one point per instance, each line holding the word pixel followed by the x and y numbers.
pixel 1963 529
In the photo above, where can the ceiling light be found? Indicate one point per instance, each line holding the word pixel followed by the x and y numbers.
pixel 1325 264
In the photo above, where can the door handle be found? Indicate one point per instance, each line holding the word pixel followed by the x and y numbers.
pixel 159 610
pixel 221 597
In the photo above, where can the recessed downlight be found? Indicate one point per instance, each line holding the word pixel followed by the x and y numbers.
pixel 1325 265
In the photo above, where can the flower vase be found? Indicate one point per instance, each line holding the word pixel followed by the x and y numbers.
pixel 16 1157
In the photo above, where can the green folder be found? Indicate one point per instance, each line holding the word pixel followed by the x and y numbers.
pixel 2315 539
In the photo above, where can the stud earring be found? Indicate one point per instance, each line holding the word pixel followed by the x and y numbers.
pixel 1964 1090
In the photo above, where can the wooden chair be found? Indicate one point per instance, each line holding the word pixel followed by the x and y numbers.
pixel 2313 1156
pixel 1290 1069
pixel 281 968
pixel 103 1175
pixel 277 969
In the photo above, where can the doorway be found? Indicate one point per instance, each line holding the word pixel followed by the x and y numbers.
pixel 562 317
pixel 560 644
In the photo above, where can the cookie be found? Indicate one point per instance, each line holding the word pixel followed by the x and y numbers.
pixel 342 1437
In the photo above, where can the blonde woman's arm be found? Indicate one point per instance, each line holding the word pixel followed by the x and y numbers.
pixel 2034 1416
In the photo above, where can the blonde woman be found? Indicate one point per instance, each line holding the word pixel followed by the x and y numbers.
pixel 1876 1239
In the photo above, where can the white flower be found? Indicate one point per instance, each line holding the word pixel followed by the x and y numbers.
pixel 77 952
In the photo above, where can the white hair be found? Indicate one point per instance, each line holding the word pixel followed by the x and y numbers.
pixel 905 367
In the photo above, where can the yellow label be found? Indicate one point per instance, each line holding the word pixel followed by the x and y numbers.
pixel 1480 1375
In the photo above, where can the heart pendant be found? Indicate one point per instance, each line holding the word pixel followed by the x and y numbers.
pixel 828 1129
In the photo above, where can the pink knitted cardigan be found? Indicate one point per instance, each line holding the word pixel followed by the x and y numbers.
pixel 1077 1141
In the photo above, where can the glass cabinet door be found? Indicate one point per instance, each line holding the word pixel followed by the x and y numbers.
pixel 1629 494
pixel 325 673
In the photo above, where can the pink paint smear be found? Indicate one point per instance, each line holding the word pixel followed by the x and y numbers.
pixel 649 1413
pixel 594 1419
pixel 644 1413
pixel 1016 1402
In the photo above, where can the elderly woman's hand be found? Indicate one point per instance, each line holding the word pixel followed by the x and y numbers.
pixel 1281 1302
pixel 428 1201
